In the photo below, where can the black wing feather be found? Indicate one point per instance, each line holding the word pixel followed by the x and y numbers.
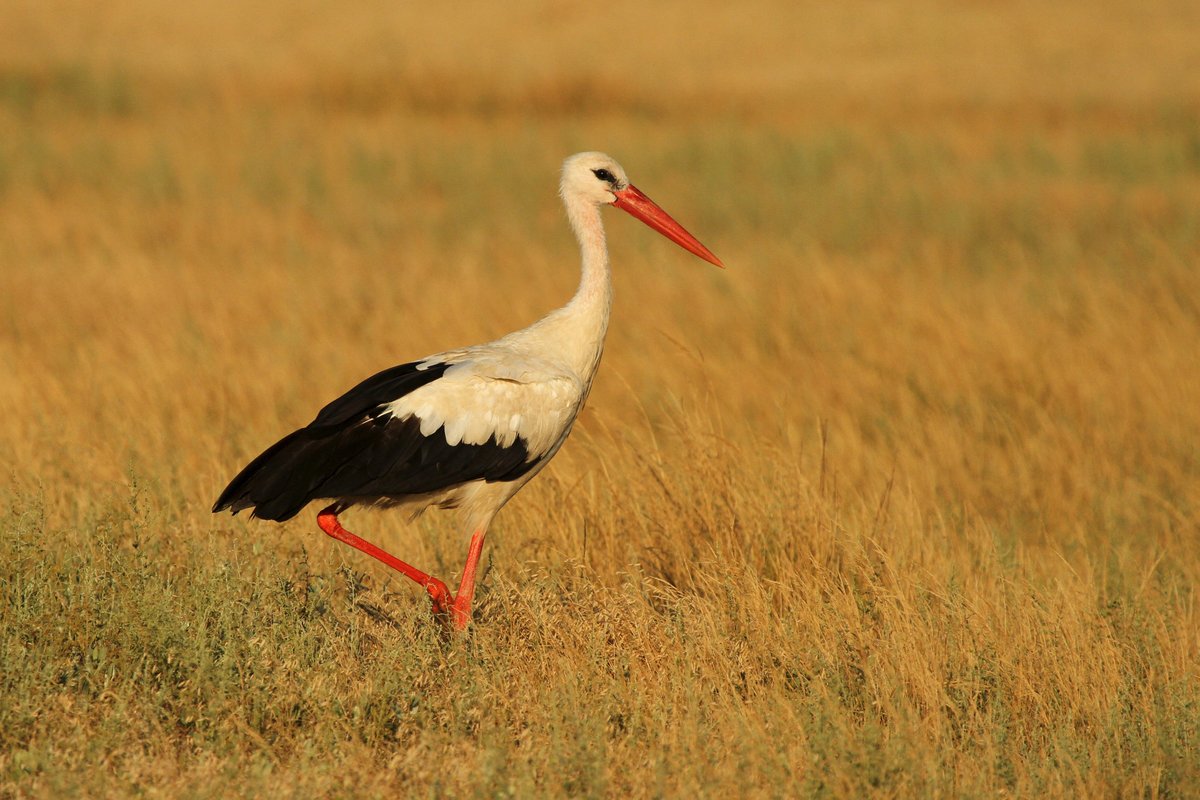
pixel 353 451
pixel 382 387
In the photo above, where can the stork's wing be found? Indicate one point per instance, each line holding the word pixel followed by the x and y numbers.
pixel 498 396
pixel 380 388
pixel 415 429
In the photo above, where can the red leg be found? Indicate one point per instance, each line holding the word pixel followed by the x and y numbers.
pixel 438 593
pixel 460 613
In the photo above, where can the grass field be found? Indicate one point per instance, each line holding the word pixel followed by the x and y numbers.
pixel 904 503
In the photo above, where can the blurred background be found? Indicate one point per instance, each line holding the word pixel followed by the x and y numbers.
pixel 217 214
pixel 952 366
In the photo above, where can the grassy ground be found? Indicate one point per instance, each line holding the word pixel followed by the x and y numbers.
pixel 906 502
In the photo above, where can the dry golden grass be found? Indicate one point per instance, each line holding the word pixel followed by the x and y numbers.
pixel 904 503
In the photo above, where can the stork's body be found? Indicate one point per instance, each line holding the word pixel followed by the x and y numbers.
pixel 467 428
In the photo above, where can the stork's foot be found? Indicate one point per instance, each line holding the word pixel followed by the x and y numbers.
pixel 439 596
pixel 453 612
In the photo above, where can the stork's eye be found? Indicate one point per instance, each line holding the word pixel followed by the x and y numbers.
pixel 604 175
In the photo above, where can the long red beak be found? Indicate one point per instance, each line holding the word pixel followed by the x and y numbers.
pixel 633 202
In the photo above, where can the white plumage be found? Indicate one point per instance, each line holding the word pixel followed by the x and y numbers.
pixel 493 392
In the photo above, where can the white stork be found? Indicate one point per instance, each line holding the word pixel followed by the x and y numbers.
pixel 467 428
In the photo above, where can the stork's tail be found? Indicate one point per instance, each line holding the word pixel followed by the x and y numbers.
pixel 268 485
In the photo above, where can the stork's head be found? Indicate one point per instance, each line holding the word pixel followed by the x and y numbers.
pixel 593 176
pixel 598 179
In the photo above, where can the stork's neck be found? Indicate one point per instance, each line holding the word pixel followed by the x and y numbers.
pixel 595 284
pixel 574 334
